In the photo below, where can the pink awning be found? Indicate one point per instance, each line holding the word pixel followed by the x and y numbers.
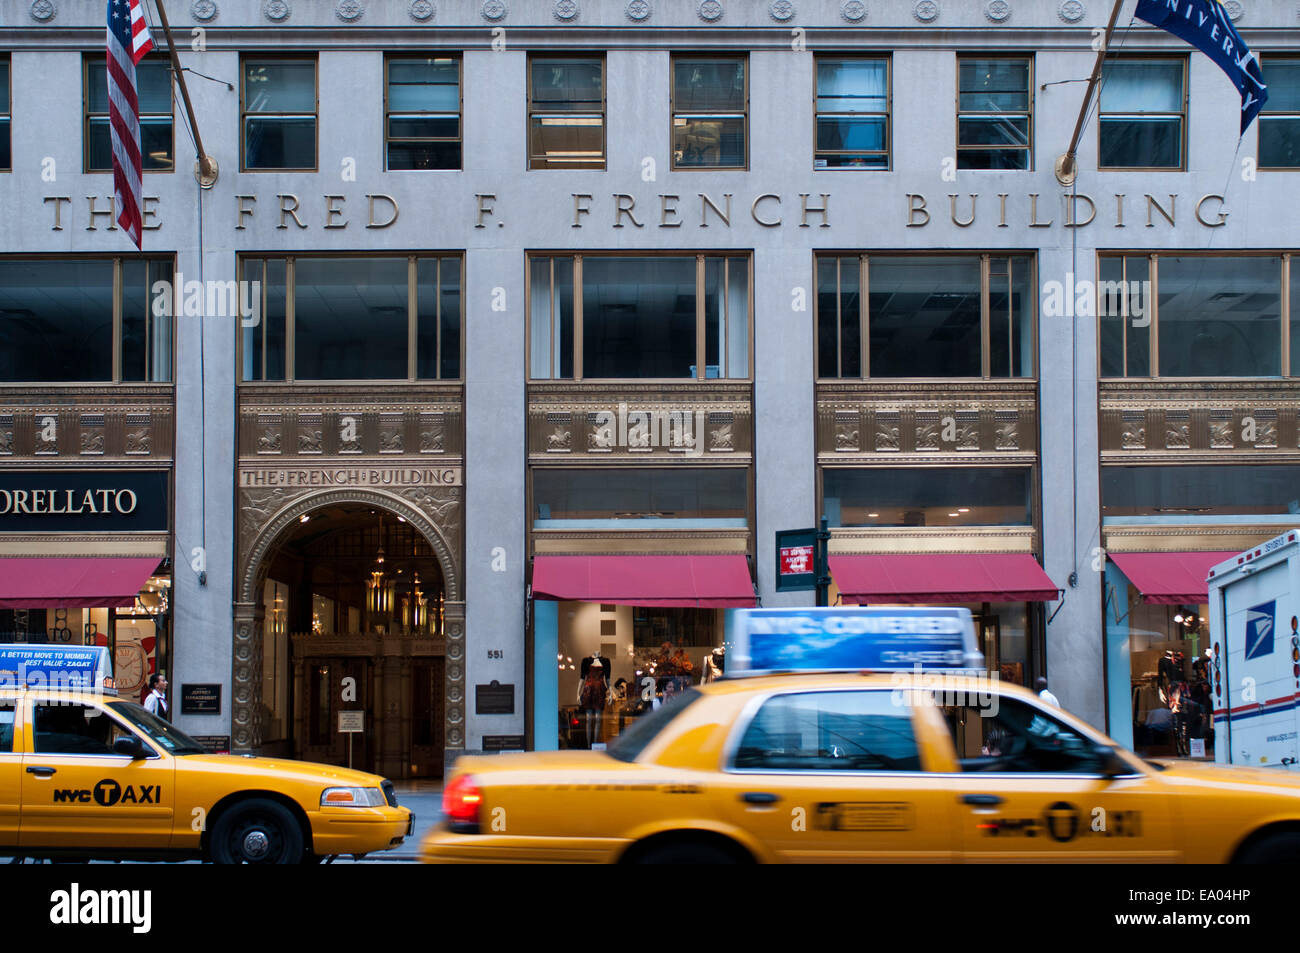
pixel 73 583
pixel 942 577
pixel 1170 578
pixel 717 582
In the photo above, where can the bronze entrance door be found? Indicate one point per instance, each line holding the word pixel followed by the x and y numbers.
pixel 427 717
pixel 331 686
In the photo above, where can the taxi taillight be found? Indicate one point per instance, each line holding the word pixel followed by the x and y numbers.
pixel 461 801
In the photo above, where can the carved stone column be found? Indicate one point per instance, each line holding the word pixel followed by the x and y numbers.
pixel 390 755
pixel 455 692
pixel 246 712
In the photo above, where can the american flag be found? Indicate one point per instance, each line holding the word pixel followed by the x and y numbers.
pixel 128 42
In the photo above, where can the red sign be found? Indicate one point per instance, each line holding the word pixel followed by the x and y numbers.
pixel 796 560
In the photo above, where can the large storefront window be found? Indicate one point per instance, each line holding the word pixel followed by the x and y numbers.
pixel 1168 701
pixel 1199 491
pixel 707 496
pixel 618 663
pixel 653 317
pixel 948 316
pixel 1211 316
pixel 928 496
pixel 61 322
pixel 352 318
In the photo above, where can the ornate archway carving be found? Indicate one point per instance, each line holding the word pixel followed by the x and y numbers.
pixel 265 516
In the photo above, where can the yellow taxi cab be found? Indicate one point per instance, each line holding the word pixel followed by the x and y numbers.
pixel 85 774
pixel 829 763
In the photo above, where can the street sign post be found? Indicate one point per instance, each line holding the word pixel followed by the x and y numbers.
pixel 801 561
pixel 351 722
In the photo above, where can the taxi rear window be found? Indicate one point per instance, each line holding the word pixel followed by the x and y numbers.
pixel 629 745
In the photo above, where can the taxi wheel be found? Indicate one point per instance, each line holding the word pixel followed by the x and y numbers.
pixel 257 832
pixel 1276 849
pixel 685 852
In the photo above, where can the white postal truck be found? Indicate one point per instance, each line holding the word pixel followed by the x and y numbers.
pixel 1254 610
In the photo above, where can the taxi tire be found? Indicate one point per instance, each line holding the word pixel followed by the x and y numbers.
pixel 1281 848
pixel 268 817
pixel 685 852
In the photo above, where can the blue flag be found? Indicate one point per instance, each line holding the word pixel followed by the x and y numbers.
pixel 1205 25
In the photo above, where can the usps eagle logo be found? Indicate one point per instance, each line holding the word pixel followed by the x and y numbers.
pixel 1259 630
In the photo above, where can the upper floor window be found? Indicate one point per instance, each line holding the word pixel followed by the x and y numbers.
pixel 363 318
pixel 1143 114
pixel 6 150
pixel 1213 317
pixel 153 80
pixel 710 104
pixel 995 112
pixel 925 316
pixel 278 114
pixel 1279 121
pixel 422 108
pixel 613 317
pixel 566 112
pixel 852 113
pixel 928 496
pixel 85 319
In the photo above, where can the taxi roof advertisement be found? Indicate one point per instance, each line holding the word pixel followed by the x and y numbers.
pixel 64 666
pixel 854 638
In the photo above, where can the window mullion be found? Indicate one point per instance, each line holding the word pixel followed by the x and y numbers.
pixel 117 319
pixel 577 317
pixel 864 338
pixel 985 319
pixel 1153 308
pixel 412 317
pixel 700 342
pixel 290 316
pixel 1286 314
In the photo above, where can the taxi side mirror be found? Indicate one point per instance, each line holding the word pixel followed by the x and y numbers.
pixel 1111 764
pixel 131 747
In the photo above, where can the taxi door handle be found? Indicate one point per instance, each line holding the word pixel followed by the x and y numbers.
pixel 981 800
pixel 40 771
pixel 759 797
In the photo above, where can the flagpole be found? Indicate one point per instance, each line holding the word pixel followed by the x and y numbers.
pixel 206 171
pixel 1066 166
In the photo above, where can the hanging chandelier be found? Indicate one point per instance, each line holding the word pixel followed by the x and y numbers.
pixel 379 590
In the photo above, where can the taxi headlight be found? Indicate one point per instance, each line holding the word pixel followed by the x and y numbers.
pixel 352 797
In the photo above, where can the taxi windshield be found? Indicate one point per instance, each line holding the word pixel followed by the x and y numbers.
pixel 172 740
pixel 629 745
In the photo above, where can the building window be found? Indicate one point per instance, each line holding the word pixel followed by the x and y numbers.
pixel 6 150
pixel 1143 113
pixel 995 113
pixel 1279 121
pixel 153 79
pixel 852 113
pixel 662 317
pixel 681 497
pixel 320 318
pixel 1199 490
pixel 928 496
pixel 1192 316
pixel 422 108
pixel 926 316
pixel 62 321
pixel 710 102
pixel 566 112
pixel 278 114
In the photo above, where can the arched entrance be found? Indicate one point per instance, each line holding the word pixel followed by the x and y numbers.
pixel 350 601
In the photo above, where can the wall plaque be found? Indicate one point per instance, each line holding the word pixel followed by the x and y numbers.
pixel 201 699
pixel 494 699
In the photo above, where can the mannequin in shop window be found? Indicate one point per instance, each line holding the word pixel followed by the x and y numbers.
pixel 714 665
pixel 591 699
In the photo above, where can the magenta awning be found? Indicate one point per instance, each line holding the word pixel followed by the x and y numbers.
pixel 73 583
pixel 1170 578
pixel 716 582
pixel 941 577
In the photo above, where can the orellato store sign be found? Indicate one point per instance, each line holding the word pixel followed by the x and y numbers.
pixel 83 502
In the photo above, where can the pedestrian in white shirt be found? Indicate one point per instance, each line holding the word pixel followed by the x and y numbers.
pixel 156 703
pixel 1044 694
